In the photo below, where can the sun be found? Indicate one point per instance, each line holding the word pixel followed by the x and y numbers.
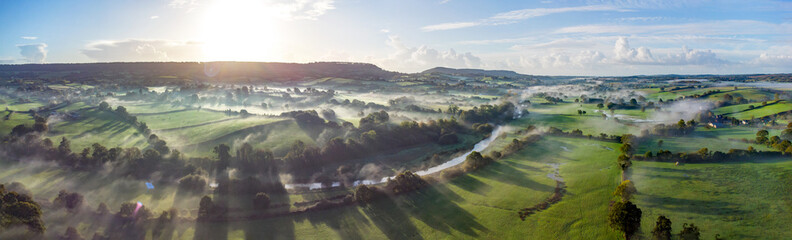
pixel 240 30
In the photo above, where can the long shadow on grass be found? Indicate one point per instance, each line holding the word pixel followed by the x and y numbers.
pixel 521 166
pixel 507 174
pixel 217 230
pixel 661 169
pixel 280 228
pixel 391 219
pixel 346 221
pixel 434 209
pixel 703 207
pixel 471 184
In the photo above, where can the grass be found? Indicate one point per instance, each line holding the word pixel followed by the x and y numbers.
pixel 720 139
pixel 96 126
pixel 181 118
pixel 147 108
pixel 762 111
pixel 589 123
pixel 23 107
pixel 751 94
pixel 276 134
pixel 482 204
pixel 13 120
pixel 203 133
pixel 736 200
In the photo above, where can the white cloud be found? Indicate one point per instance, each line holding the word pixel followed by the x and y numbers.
pixel 36 53
pixel 623 53
pixel 650 4
pixel 286 9
pixel 414 59
pixel 723 27
pixel 517 15
pixel 153 17
pixel 134 50
pixel 189 4
pixel 444 1
pixel 496 41
pixel 775 57
pixel 773 60
pixel 29 38
pixel 641 19
pixel 559 60
pixel 450 26
pixel 538 12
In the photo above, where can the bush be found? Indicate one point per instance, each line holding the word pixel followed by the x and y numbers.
pixel 405 182
pixel 71 201
pixel 475 161
pixel 366 194
pixel 193 184
pixel 261 201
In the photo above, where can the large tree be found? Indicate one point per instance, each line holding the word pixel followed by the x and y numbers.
pixel 689 232
pixel 662 229
pixel 625 217
pixel 625 190
pixel 223 156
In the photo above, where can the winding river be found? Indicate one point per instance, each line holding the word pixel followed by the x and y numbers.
pixel 483 144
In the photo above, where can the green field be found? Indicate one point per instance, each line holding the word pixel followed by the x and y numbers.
pixel 736 200
pixel 742 199
pixel 762 111
pixel 13 120
pixel 482 204
pixel 276 134
pixel 94 126
pixel 171 120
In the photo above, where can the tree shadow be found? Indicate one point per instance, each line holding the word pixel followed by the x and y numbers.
pixel 391 220
pixel 346 221
pixel 704 207
pixel 521 166
pixel 660 169
pixel 506 174
pixel 423 205
pixel 280 228
pixel 211 230
pixel 471 184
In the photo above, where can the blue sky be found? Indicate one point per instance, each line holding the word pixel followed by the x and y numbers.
pixel 553 37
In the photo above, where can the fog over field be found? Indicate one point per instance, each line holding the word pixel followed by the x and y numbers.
pixel 440 119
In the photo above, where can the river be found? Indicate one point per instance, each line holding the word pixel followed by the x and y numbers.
pixel 483 144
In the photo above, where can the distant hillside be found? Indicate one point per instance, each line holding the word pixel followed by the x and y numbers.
pixel 212 71
pixel 476 72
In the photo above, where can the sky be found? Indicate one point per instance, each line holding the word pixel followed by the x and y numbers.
pixel 551 37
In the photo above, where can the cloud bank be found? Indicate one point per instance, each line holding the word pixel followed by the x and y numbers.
pixel 35 53
pixel 135 50
pixel 285 9
pixel 414 59
pixel 517 15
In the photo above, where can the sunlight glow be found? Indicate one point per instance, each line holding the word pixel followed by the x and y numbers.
pixel 240 30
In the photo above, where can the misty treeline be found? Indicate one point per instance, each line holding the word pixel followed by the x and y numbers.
pixel 681 128
pixel 375 134
pixel 485 113
pixel 17 208
pixel 150 73
pixel 579 134
pixel 625 216
pixel 122 113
